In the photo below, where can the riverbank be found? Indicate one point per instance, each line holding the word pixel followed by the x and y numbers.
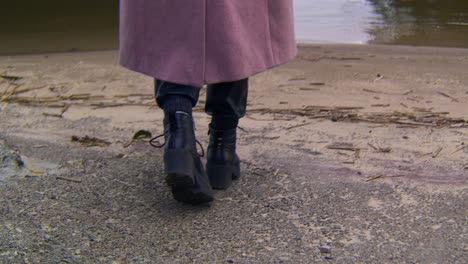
pixel 344 149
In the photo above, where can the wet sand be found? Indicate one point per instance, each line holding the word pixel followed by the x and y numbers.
pixel 348 147
pixel 410 101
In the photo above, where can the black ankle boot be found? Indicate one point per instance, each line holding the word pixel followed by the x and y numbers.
pixel 223 164
pixel 184 170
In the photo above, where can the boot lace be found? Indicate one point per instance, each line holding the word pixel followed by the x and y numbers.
pixel 155 143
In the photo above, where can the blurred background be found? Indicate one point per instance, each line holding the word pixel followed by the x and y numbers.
pixel 31 26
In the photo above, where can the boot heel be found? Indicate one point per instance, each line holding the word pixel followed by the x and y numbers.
pixel 179 168
pixel 221 176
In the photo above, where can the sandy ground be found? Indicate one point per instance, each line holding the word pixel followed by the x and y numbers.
pixel 351 154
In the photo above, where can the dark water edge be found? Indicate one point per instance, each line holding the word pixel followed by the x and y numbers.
pixel 31 26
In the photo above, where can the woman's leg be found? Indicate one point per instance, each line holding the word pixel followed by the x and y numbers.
pixel 185 173
pixel 226 103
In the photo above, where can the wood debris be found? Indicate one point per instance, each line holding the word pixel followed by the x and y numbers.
pixel 379 92
pixel 297 79
pixel 133 95
pixel 437 152
pixel 88 141
pixel 373 178
pixel 342 146
pixel 67 179
pixel 448 96
pixel 309 89
pixel 372 91
pixel 10 78
pixel 423 118
pixel 380 149
pixel 379 77
pixel 300 125
pixel 458 149
pixel 59 115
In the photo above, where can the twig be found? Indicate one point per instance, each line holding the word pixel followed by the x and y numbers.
pixel 372 146
pixel 415 123
pixel 425 154
pixel 59 115
pixel 437 152
pixel 10 77
pixel 52 115
pixel 297 79
pixel 276 172
pixel 64 109
pixel 28 89
pixel 371 91
pixel 8 94
pixel 67 179
pixel 380 149
pixel 448 96
pixel 90 141
pixel 458 150
pixel 342 146
pixel 243 129
pixel 132 95
pixel 408 92
pixel 382 176
pixel 379 77
pixel 272 138
pixel 300 125
pixel 309 89
pixel 385 150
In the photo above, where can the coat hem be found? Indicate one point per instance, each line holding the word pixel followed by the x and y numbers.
pixel 206 81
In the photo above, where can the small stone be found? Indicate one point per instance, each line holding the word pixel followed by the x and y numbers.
pixel 329 257
pixel 91 237
pixel 47 238
pixel 230 261
pixel 325 250
pixel 119 155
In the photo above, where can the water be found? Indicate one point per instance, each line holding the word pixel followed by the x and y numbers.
pixel 335 21
pixel 402 22
pixel 31 26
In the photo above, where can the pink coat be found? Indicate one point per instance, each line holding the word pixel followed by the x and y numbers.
pixel 197 42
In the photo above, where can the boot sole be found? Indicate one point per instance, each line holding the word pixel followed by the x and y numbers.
pixel 190 196
pixel 179 167
pixel 187 178
pixel 200 193
pixel 222 175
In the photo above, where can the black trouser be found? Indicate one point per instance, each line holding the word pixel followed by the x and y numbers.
pixel 227 99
